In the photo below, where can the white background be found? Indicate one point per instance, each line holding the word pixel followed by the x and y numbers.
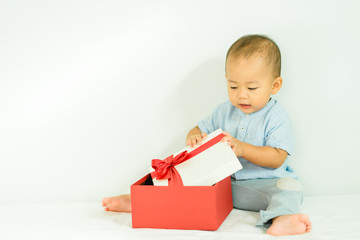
pixel 91 91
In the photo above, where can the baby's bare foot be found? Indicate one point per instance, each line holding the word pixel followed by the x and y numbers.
pixel 120 203
pixel 290 225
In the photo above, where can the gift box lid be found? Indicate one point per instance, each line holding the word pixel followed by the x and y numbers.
pixel 213 163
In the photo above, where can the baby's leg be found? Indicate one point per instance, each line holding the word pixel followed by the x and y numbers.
pixel 246 197
pixel 278 200
pixel 121 203
pixel 283 211
pixel 290 225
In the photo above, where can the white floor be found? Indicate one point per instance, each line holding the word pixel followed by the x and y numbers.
pixel 333 217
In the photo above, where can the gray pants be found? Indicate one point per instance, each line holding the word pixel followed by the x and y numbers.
pixel 272 197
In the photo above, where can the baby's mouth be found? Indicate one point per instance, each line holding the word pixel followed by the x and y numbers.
pixel 245 106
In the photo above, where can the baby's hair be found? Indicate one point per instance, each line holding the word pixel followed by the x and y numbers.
pixel 261 45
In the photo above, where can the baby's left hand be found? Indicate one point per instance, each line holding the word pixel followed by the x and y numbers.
pixel 236 145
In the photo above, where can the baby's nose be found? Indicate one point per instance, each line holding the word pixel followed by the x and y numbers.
pixel 242 94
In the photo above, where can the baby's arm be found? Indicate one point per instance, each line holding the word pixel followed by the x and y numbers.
pixel 195 137
pixel 264 156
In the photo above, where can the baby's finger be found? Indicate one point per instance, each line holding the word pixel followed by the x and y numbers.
pixel 199 139
pixel 188 142
pixel 226 133
pixel 191 141
pixel 194 141
pixel 204 135
pixel 224 139
pixel 234 148
pixel 227 139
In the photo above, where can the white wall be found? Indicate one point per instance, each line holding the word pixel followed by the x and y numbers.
pixel 91 91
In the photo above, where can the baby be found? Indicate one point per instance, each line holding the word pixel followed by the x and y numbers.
pixel 259 131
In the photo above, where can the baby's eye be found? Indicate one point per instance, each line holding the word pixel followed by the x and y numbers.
pixel 233 87
pixel 252 88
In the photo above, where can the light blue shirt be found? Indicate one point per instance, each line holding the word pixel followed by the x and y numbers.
pixel 270 126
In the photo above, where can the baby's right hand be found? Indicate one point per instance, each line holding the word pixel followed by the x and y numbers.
pixel 195 139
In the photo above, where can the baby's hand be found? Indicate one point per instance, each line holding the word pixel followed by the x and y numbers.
pixel 195 139
pixel 234 143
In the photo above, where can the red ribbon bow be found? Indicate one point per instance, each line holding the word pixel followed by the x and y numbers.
pixel 165 169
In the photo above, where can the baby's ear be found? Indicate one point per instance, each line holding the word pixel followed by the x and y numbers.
pixel 276 86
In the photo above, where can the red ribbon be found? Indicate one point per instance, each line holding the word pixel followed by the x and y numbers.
pixel 165 169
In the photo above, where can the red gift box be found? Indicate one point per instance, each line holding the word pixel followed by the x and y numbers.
pixel 180 207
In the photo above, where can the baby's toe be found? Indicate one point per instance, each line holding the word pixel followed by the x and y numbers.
pixel 106 201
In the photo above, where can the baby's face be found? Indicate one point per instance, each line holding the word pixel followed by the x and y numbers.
pixel 250 83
